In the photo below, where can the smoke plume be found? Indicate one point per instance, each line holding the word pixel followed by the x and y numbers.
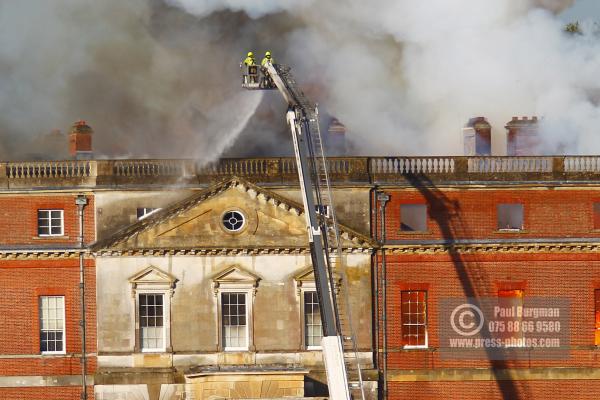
pixel 160 78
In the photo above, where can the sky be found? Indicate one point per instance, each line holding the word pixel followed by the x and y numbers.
pixel 583 10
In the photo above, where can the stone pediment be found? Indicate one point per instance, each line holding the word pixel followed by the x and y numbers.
pixel 306 275
pixel 235 278
pixel 305 279
pixel 232 215
pixel 152 278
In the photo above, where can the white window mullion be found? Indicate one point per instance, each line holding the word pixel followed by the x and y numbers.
pixel 313 328
pixel 234 317
pixel 50 222
pixel 52 324
pixel 151 311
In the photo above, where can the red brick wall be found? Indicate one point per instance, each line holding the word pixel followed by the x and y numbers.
pixel 45 393
pixel 572 276
pixel 491 390
pixel 471 213
pixel 18 219
pixel 21 283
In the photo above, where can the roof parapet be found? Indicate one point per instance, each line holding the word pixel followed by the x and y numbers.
pixel 282 171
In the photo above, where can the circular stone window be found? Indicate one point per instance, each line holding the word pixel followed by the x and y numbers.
pixel 233 221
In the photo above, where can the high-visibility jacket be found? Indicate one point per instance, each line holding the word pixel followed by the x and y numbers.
pixel 249 61
pixel 266 60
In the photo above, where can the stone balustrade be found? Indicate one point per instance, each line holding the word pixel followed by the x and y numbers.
pixel 273 171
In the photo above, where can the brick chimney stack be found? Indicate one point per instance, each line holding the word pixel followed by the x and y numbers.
pixel 336 137
pixel 477 136
pixel 522 137
pixel 80 141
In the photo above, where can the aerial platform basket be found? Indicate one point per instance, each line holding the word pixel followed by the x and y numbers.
pixel 255 77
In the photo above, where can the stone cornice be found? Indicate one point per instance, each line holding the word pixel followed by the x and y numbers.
pixel 39 254
pixel 474 248
pixel 218 252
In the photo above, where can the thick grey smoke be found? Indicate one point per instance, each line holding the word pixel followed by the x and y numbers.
pixel 152 80
pixel 160 78
pixel 404 76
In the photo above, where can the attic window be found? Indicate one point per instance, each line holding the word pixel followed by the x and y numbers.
pixel 510 217
pixel 233 221
pixel 143 212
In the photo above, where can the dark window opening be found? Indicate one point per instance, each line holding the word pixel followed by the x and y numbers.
pixel 596 215
pixel 233 221
pixel 143 212
pixel 510 216
pixel 413 217
pixel 597 317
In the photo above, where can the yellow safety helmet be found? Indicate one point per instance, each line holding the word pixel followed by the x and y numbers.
pixel 268 54
pixel 250 54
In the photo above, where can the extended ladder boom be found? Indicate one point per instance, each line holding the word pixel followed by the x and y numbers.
pixel 301 114
pixel 323 234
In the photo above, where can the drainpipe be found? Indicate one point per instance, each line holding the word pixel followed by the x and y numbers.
pixel 383 199
pixel 81 201
pixel 373 200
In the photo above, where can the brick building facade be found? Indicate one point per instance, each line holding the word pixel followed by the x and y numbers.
pixel 509 236
pixel 455 227
pixel 40 346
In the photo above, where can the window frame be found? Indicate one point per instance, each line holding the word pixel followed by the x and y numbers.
pixel 64 325
pixel 426 324
pixel 151 280
pixel 597 317
pixel 503 293
pixel 49 218
pixel 237 280
pixel 425 221
pixel 166 321
pixel 246 294
pixel 303 292
pixel 232 230
pixel 596 215
pixel 145 213
pixel 511 229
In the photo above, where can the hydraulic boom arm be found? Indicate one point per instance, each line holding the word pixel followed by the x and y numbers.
pixel 301 115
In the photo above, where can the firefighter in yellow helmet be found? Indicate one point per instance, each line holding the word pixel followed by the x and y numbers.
pixel 267 59
pixel 249 60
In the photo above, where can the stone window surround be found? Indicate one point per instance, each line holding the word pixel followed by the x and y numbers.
pixel 243 282
pixel 305 282
pixel 166 322
pixel 164 284
pixel 307 287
